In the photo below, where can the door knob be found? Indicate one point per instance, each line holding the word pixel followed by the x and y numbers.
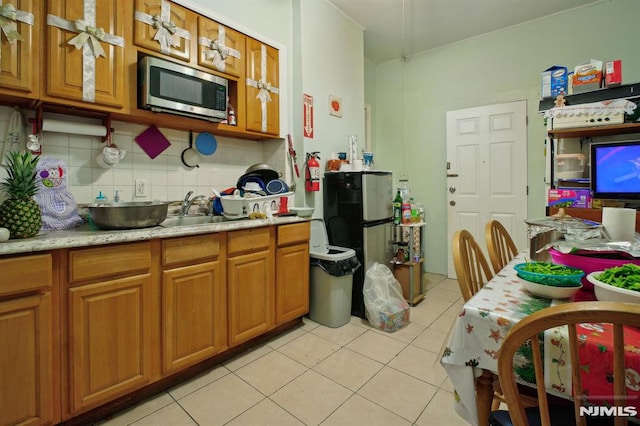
pixel 452 189
pixel 452 203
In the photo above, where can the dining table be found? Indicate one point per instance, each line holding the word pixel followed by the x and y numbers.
pixel 470 353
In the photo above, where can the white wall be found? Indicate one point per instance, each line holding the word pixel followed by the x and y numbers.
pixel 412 97
pixel 332 55
pixel 168 178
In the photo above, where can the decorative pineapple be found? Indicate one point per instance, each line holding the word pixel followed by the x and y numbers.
pixel 20 213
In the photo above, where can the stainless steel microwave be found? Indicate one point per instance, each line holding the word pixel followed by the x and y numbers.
pixel 165 86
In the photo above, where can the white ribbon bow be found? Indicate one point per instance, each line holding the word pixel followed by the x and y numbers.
pixel 216 50
pixel 9 17
pixel 165 31
pixel 90 35
pixel 263 92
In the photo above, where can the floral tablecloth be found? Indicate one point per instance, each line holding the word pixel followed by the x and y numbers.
pixel 484 322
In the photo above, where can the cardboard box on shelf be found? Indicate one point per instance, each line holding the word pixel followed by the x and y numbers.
pixel 613 73
pixel 404 273
pixel 554 81
pixel 587 76
pixel 599 203
pixel 569 198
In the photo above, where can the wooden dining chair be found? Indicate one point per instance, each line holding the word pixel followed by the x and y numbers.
pixel 470 264
pixel 529 329
pixel 500 245
pixel 473 272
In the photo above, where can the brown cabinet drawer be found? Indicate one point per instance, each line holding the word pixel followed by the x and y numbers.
pixel 107 261
pixel 25 273
pixel 293 233
pixel 248 240
pixel 188 249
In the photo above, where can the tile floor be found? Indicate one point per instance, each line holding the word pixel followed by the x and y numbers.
pixel 317 375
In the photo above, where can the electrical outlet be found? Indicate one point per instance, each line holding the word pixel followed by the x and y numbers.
pixel 403 176
pixel 142 187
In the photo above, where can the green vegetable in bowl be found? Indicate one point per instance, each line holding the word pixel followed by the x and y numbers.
pixel 548 268
pixel 626 276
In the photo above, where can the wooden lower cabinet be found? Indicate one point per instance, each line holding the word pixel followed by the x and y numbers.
pixel 250 283
pixel 110 345
pixel 292 282
pixel 83 327
pixel 194 314
pixel 251 296
pixel 26 361
pixel 292 272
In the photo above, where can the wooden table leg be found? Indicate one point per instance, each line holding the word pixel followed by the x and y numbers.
pixel 484 396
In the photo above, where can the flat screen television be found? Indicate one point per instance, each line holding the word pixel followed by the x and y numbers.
pixel 615 170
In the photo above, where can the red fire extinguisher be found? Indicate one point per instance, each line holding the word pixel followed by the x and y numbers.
pixel 312 173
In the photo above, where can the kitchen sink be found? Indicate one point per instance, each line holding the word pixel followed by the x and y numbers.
pixel 172 221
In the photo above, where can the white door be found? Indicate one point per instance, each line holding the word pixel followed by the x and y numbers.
pixel 487 171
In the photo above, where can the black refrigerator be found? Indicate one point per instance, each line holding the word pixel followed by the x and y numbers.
pixel 358 214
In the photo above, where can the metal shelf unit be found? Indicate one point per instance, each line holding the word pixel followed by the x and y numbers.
pixel 408 270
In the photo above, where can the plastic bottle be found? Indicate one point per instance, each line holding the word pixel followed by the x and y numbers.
pixel 406 212
pixel 397 208
pixel 101 198
pixel 414 210
pixel 232 116
pixel 421 214
pixel 404 192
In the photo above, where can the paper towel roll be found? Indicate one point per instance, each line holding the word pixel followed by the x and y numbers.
pixel 75 128
pixel 620 224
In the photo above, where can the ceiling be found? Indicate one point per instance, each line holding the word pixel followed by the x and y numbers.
pixel 428 24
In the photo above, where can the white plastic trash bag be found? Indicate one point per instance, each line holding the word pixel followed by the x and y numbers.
pixel 383 301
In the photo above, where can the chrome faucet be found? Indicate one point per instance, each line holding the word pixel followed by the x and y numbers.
pixel 187 203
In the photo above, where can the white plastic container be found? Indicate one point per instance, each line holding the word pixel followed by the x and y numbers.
pixel 570 166
pixel 258 204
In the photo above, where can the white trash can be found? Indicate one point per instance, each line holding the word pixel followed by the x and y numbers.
pixel 331 278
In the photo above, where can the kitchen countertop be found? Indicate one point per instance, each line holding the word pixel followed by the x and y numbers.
pixel 87 235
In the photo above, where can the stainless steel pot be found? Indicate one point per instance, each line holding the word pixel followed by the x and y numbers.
pixel 129 215
pixel 264 171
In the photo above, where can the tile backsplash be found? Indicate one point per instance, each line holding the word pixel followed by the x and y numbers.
pixel 169 179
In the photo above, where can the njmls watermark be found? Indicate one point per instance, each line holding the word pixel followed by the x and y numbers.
pixel 613 411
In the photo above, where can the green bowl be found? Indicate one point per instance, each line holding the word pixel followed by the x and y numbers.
pixel 555 280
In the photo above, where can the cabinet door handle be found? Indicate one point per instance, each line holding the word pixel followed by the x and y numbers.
pixel 452 175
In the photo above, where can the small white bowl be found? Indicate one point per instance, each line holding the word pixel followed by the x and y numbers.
pixel 232 205
pixel 548 291
pixel 610 293
pixel 302 211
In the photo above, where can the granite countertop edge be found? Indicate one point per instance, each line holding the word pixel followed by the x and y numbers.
pixel 85 235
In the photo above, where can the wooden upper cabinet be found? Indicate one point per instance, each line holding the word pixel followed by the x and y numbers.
pixel 220 48
pixel 164 27
pixel 19 62
pixel 77 74
pixel 263 100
